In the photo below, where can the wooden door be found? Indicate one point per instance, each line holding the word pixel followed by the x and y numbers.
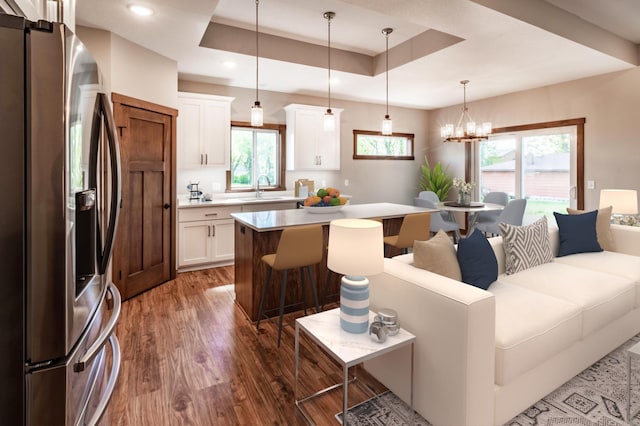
pixel 144 253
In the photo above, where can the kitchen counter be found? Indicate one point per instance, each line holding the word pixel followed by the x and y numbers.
pixel 274 220
pixel 239 201
pixel 258 233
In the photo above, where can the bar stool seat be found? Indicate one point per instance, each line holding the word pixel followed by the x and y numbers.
pixel 299 247
pixel 414 227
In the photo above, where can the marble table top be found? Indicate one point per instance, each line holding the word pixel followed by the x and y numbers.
pixel 348 348
pixel 279 219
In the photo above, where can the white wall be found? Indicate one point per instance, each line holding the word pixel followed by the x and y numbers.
pixel 369 180
pixel 610 104
pixel 132 70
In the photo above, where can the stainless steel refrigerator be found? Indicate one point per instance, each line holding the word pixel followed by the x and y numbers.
pixel 60 189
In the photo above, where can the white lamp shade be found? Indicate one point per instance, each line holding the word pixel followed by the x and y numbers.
pixel 356 247
pixel 623 201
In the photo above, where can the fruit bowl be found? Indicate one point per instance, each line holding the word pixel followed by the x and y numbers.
pixel 322 209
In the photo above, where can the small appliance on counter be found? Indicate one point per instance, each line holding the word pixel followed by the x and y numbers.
pixel 194 193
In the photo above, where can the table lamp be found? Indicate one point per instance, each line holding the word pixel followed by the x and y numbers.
pixel 356 249
pixel 623 201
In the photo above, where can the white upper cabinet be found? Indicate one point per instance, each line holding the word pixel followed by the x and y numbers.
pixel 309 146
pixel 204 130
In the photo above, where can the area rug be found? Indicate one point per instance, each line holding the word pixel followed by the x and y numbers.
pixel 595 397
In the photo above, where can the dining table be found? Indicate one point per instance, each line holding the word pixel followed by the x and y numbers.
pixel 470 210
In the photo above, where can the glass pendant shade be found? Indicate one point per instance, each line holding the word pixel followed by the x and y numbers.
pixel 256 115
pixel 387 126
pixel 329 121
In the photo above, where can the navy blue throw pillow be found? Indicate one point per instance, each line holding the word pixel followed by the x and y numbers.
pixel 477 260
pixel 577 233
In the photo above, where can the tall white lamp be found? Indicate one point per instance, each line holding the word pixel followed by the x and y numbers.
pixel 356 249
pixel 623 201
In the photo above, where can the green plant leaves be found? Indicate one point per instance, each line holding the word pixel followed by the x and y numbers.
pixel 436 179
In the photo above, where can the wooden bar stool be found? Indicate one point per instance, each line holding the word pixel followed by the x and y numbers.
pixel 414 227
pixel 299 247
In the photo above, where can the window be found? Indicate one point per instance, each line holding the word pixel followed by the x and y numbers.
pixel 374 146
pixel 256 153
pixel 537 163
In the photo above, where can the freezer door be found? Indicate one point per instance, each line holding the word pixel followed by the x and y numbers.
pixel 77 391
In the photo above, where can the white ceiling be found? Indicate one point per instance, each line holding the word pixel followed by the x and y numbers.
pixel 507 46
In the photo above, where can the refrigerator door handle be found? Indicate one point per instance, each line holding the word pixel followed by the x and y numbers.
pixel 111 384
pixel 102 109
pixel 95 348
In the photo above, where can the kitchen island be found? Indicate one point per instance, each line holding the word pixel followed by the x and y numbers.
pixel 258 233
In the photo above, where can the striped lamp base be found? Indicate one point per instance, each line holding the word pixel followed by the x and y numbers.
pixel 354 304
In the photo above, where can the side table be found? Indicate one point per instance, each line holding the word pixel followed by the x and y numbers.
pixel 347 349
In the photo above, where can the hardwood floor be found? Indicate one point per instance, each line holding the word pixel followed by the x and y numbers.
pixel 191 357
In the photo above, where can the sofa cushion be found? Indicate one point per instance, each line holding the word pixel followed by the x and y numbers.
pixel 620 264
pixel 478 263
pixel 577 233
pixel 603 227
pixel 531 327
pixel 437 255
pixel 602 297
pixel 525 246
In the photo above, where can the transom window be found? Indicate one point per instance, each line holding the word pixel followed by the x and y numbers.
pixel 369 145
pixel 256 154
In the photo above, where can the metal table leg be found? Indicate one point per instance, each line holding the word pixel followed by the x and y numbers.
pixel 345 396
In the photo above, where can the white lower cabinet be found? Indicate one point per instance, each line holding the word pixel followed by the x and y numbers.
pixel 205 237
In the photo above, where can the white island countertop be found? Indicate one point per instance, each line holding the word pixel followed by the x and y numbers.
pixel 279 219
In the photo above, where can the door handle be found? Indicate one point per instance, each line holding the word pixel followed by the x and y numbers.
pixel 97 345
pixel 213 233
pixel 166 205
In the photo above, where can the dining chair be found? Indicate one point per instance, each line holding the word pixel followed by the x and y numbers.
pixel 299 247
pixel 438 221
pixel 415 227
pixel 512 214
pixel 495 197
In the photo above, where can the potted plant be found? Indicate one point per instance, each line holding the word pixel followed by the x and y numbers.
pixel 436 179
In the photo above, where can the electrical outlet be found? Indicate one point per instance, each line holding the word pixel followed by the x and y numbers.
pixel 346 182
pixel 591 184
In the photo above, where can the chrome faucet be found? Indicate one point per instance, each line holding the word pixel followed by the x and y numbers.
pixel 259 192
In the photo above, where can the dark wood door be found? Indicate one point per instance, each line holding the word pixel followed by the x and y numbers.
pixel 143 254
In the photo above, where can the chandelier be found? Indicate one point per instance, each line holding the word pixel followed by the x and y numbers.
pixel 466 130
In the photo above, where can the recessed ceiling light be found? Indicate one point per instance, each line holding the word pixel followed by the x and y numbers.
pixel 140 10
pixel 229 64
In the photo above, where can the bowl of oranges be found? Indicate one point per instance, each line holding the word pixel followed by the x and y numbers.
pixel 326 200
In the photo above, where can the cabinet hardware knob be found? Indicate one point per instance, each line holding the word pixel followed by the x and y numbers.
pixel 166 205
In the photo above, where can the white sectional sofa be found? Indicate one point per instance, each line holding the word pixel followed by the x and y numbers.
pixel 482 357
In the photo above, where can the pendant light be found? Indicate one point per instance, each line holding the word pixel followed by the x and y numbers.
pixel 466 130
pixel 329 118
pixel 387 124
pixel 256 109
